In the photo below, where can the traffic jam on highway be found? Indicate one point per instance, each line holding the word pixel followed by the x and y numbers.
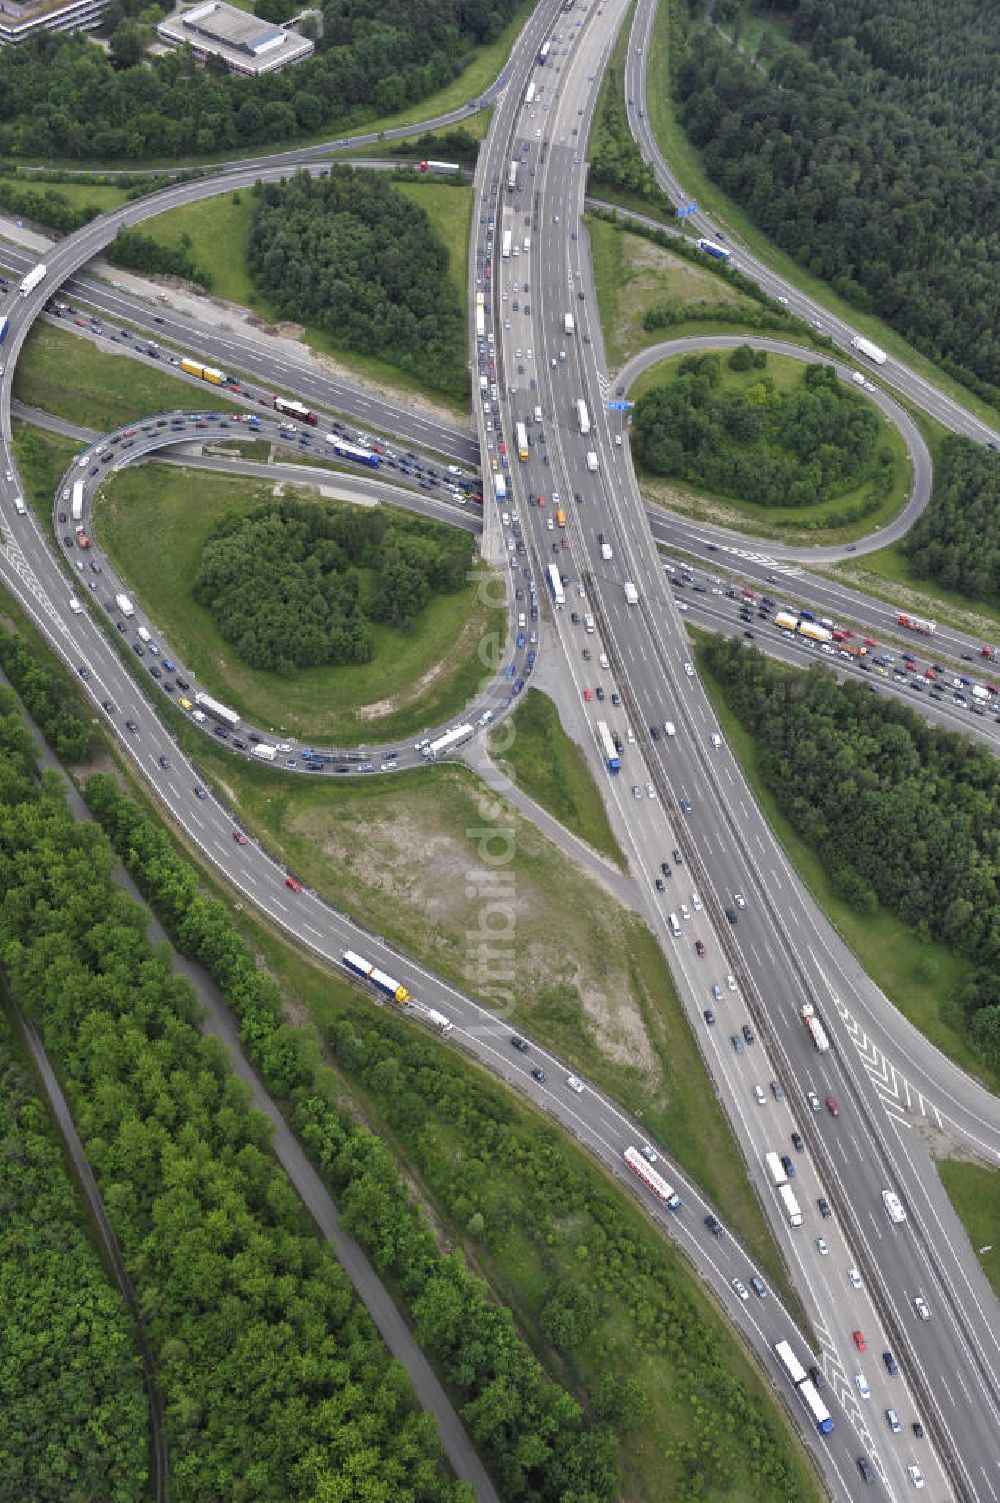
pixel 534 378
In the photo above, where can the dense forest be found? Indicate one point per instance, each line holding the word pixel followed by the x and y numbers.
pixel 296 585
pixel 75 1412
pixel 775 448
pixel 847 767
pixel 276 1384
pixel 956 541
pixel 867 151
pixel 64 96
pixel 349 253
pixel 508 1183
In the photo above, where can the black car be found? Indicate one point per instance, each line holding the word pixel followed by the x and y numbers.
pixel 864 1467
pixel 730 912
pixel 83 672
pixel 665 868
pixel 713 1226
pixel 686 806
pixel 797 1143
pixel 890 1364
pixel 164 761
pixel 678 858
pixel 132 727
pixel 519 1044
pixel 748 1033
pixel 539 1075
pixel 107 705
pixel 788 1166
pixel 68 539
pixel 661 886
pixel 62 516
pixel 138 649
pixel 654 731
pixel 155 671
pixel 816 1373
pixel 917 1427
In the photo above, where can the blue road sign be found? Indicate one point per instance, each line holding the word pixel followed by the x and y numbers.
pixel 619 406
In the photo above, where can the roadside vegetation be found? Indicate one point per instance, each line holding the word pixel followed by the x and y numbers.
pixel 76 1416
pixel 216 233
pixel 974 1191
pixel 156 522
pixel 71 378
pixel 750 441
pixel 294 585
pixel 270 1368
pixel 956 543
pixel 550 767
pixel 616 163
pixel 781 449
pixel 634 275
pixel 611 1311
pixel 350 254
pixel 672 25
pixel 898 87
pixel 838 767
pixel 66 97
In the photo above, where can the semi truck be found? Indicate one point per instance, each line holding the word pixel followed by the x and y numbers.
pixel 203 372
pixel 36 275
pixel 505 248
pixel 216 710
pixel 815 1027
pixel 521 439
pixel 790 1205
pixel 806 1387
pixel 569 324
pixel 454 737
pixel 869 350
pixel 631 593
pixel 651 1179
pixel 438 1019
pixel 582 416
pixel 356 453
pixel 775 1169
pixel 814 631
pixel 76 509
pixel 125 605
pixel 917 623
pixel 385 983
pixel 448 168
pixel 717 252
pixel 512 177
pixel 608 748
pixel 295 410
pixel 786 620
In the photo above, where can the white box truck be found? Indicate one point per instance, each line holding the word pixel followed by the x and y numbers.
pixel 265 752
pixel 569 324
pixel 75 606
pixel 775 1169
pixel 125 605
pixel 791 1205
pixel 591 461
pixel 631 593
pixel 606 551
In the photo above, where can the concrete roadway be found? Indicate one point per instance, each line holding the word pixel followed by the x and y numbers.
pixel 782 949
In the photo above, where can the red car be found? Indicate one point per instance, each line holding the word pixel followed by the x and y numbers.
pixel 239 837
pixel 859 1340
pixel 587 695
pixel 699 948
pixel 293 883
pixel 832 1107
pixel 541 500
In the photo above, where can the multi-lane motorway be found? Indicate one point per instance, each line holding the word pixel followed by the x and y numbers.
pixel 682 793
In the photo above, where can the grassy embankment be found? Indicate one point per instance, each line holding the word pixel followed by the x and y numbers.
pixel 154 523
pixel 549 766
pixel 790 524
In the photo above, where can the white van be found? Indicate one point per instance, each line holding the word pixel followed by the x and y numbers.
pixel 527 244
pixel 19 506
pixel 520 620
pixel 716 740
pixel 75 606
pixel 670 728
pixel 588 624
pixel 538 414
pixel 603 660
pixel 606 551
pixel 143 634
pixel 675 924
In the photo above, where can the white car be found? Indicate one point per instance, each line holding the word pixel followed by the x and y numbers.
pixel 813 1100
pixel 861 1382
pixel 915 1475
pixel 696 902
pixel 759 1097
pixel 685 911
pixel 783 300
pixel 821 1247
pixel 855 1278
pixel 550 525
pixel 731 983
pixel 648 1152
pixel 650 791
pixel 630 735
pixel 893 1205
pixel 689 670
pixel 920 1305
pixel 742 1290
pixel 575 1084
pixel 739 900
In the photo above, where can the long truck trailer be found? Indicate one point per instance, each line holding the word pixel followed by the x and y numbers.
pixel 369 972
pixel 216 710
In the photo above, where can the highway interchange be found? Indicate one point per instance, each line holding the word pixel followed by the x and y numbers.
pixel 893 1089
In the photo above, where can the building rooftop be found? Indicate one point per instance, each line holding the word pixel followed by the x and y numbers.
pixel 246 43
